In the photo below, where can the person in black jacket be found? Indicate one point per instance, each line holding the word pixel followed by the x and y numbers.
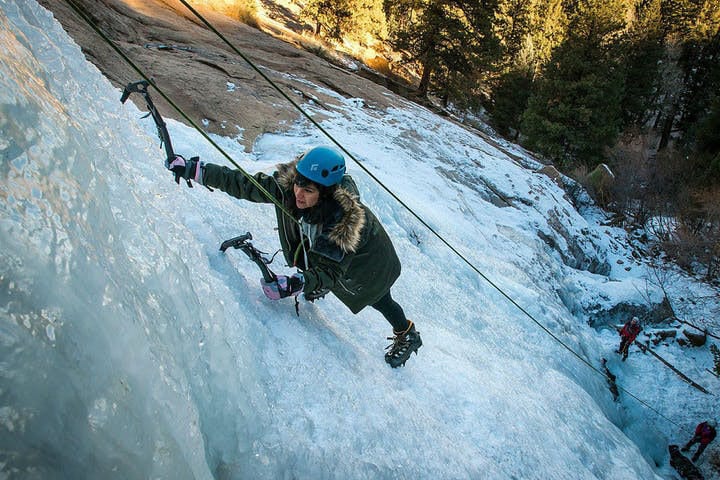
pixel 336 243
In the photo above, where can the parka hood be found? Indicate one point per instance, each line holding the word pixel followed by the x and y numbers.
pixel 346 233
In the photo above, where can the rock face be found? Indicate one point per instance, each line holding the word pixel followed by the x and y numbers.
pixel 695 339
pixel 203 75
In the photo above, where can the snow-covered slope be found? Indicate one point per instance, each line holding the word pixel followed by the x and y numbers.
pixel 132 348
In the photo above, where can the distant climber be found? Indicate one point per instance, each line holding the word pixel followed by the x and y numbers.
pixel 704 434
pixel 685 468
pixel 628 334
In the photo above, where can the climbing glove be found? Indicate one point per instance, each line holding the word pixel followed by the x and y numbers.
pixel 284 286
pixel 188 169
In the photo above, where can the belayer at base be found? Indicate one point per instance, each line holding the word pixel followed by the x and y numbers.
pixel 336 243
pixel 628 334
pixel 705 433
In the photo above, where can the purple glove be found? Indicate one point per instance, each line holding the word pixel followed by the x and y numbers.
pixel 188 169
pixel 283 286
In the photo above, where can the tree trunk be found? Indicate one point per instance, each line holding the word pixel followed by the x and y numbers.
pixel 425 80
pixel 667 127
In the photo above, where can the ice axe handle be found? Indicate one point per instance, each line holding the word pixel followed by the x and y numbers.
pixel 141 87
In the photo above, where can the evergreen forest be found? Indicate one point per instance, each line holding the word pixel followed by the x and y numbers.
pixel 631 86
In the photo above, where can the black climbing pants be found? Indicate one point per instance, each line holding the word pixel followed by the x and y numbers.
pixel 700 449
pixel 624 347
pixel 392 312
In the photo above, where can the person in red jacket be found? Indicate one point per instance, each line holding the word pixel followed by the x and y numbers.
pixel 628 333
pixel 704 434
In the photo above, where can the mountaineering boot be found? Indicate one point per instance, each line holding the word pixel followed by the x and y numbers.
pixel 404 344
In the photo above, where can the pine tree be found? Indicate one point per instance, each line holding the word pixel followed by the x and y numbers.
pixel 512 26
pixel 708 132
pixel 509 100
pixel 575 113
pixel 329 17
pixel 693 27
pixel 451 41
pixel 701 63
pixel 369 20
pixel 528 31
pixel 679 16
pixel 642 50
pixel 706 135
pixel 549 28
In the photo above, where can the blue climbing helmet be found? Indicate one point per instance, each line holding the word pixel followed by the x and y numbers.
pixel 322 165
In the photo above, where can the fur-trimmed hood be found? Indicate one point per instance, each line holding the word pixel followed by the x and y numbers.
pixel 346 233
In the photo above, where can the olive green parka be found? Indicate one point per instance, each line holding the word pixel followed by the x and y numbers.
pixel 351 255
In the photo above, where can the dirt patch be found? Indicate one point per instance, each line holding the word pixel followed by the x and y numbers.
pixel 204 76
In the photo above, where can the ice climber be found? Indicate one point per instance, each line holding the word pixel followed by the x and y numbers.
pixel 704 434
pixel 628 334
pixel 336 243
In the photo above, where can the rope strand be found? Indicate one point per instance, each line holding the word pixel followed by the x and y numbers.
pixel 415 214
pixel 351 156
pixel 180 111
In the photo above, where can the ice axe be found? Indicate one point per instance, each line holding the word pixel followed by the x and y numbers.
pixel 141 87
pixel 242 242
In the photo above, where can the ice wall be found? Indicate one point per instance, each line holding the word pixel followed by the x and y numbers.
pixel 130 348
